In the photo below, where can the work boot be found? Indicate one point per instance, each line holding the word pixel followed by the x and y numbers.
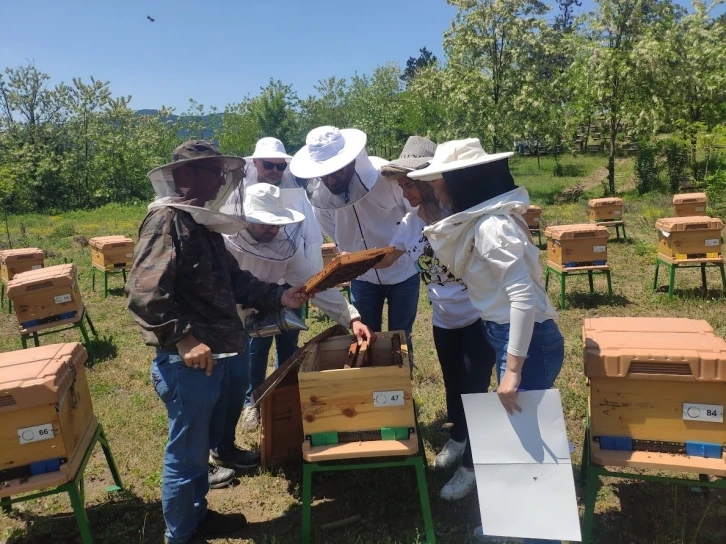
pixel 219 477
pixel 215 524
pixel 236 459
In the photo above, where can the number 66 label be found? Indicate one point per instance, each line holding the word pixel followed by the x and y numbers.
pixel 36 434
pixel 703 412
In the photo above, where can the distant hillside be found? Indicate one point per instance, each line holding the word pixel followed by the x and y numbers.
pixel 209 123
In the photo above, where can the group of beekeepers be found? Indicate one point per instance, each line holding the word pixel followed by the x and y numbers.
pixel 227 235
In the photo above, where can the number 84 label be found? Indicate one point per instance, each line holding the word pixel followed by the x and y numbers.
pixel 703 412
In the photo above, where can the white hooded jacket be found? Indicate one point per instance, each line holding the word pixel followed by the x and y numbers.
pixel 371 222
pixel 489 251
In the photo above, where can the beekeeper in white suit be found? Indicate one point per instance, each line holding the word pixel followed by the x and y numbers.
pixel 271 248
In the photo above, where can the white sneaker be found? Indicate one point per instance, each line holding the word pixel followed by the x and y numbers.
pixel 250 419
pixel 460 485
pixel 450 455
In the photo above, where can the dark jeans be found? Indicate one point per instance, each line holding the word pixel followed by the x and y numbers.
pixel 541 367
pixel 368 298
pixel 195 405
pixel 467 361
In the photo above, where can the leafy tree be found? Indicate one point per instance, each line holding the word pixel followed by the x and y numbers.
pixel 493 37
pixel 413 65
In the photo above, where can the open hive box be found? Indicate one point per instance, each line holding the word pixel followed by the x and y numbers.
pixel 357 403
pixel 344 268
pixel 577 245
pixel 46 296
pixel 604 210
pixel 111 252
pixel 683 238
pixel 656 385
pixel 15 261
pixel 46 413
pixel 329 251
pixel 690 204
pixel 532 217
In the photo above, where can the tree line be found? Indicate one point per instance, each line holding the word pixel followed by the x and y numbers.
pixel 513 70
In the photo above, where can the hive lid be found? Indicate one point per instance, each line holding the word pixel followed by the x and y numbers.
pixel 610 201
pixel 533 208
pixel 100 242
pixel 656 348
pixel 10 255
pixel 329 248
pixel 687 198
pixel 569 232
pixel 31 377
pixel 676 224
pixel 52 276
pixel 345 268
pixel 293 364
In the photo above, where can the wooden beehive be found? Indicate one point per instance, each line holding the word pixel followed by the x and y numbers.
pixel 46 296
pixel 656 384
pixel 689 204
pixel 45 409
pixel 330 251
pixel 605 210
pixel 278 399
pixel 15 261
pixel 112 252
pixel 369 405
pixel 683 238
pixel 577 245
pixel 532 217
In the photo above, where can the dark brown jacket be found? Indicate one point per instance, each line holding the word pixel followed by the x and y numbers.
pixel 184 280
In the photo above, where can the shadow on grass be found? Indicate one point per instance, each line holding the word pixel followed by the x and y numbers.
pixel 123 518
pixel 588 301
pixel 659 513
pixel 116 292
pixel 693 293
pixel 101 349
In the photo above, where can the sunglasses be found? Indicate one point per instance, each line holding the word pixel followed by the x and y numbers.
pixel 270 165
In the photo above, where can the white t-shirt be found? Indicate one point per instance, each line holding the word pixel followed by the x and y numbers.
pixel 448 295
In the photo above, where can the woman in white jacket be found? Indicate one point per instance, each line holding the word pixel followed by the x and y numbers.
pixel 465 357
pixel 487 244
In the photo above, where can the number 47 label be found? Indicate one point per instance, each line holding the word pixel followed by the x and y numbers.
pixel 388 398
pixel 703 412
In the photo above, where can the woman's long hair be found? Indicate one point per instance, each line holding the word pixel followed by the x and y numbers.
pixel 429 202
pixel 468 187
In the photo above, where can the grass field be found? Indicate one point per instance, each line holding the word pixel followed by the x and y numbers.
pixel 135 420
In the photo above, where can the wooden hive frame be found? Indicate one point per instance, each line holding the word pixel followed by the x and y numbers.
pixel 343 268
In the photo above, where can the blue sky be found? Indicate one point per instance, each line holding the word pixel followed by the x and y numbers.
pixel 215 51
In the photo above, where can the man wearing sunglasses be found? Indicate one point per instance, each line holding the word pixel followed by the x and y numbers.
pixel 269 164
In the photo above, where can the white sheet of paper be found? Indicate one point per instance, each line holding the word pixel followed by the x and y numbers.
pixel 522 465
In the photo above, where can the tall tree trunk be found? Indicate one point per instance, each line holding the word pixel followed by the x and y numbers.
pixel 694 142
pixel 611 154
pixel 587 133
pixel 538 164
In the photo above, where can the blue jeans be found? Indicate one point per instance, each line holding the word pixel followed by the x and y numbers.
pixel 238 380
pixel 194 405
pixel 541 367
pixel 368 298
pixel 259 350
